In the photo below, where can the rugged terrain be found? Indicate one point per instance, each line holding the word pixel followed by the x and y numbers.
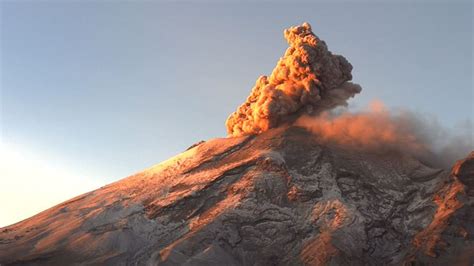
pixel 353 191
pixel 278 198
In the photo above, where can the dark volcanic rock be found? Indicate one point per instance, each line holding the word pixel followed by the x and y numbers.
pixel 464 171
pixel 280 198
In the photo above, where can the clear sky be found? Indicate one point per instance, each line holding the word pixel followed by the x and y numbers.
pixel 95 91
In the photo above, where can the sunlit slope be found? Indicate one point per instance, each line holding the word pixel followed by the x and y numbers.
pixel 280 197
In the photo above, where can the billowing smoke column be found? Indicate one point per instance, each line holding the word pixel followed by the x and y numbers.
pixel 307 79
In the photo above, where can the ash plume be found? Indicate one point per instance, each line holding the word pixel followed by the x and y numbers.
pixel 309 82
pixel 379 130
pixel 307 79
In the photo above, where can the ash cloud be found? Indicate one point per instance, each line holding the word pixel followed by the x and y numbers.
pixel 307 79
pixel 378 129
pixel 309 82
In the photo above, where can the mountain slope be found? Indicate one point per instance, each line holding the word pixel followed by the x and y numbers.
pixel 279 198
pixel 272 193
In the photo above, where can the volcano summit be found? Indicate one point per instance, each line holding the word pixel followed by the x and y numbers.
pixel 280 190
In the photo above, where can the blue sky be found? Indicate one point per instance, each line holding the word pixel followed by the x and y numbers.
pixel 106 89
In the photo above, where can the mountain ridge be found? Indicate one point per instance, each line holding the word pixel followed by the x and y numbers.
pixel 295 183
pixel 280 197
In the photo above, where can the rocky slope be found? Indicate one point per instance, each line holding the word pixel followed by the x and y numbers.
pixel 278 198
pixel 274 193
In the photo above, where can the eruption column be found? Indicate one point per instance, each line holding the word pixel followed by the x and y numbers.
pixel 307 79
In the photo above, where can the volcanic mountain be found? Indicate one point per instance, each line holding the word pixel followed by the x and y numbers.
pixel 272 193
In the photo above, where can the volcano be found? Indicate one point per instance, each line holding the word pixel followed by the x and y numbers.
pixel 272 193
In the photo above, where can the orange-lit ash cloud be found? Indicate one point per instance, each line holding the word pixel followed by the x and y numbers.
pixel 309 82
pixel 307 79
pixel 378 129
pixel 375 128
